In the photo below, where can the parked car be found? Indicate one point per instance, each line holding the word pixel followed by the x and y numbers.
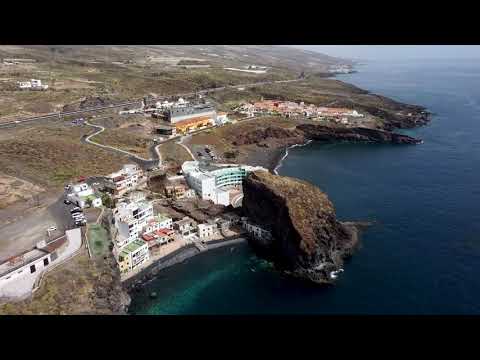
pixel 67 187
pixel 52 228
pixel 75 209
pixel 67 202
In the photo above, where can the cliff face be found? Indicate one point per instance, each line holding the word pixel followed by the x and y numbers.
pixel 262 136
pixel 307 240
pixel 357 134
pixel 274 136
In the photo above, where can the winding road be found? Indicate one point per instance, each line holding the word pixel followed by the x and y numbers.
pixel 147 163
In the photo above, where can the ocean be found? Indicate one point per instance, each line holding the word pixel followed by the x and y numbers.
pixel 422 256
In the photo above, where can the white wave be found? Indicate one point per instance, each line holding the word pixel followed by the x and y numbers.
pixel 279 165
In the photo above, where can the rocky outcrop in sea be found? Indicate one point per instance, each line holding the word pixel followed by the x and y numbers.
pixel 307 239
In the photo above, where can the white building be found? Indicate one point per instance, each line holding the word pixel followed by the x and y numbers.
pixel 221 118
pixel 19 273
pixel 82 194
pixel 129 178
pixel 214 182
pixel 354 113
pixel 255 230
pixel 207 230
pixel 133 255
pixel 130 219
pixel 158 222
pixel 32 85
pixel 186 226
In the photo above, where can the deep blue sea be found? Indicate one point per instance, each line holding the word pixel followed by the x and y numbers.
pixel 422 256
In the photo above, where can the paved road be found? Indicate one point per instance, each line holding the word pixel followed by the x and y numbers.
pixel 146 163
pixel 58 115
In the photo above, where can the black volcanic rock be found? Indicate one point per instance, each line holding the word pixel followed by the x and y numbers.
pixel 307 239
pixel 258 136
pixel 356 134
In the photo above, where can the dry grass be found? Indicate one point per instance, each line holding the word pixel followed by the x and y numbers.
pixel 125 139
pixel 14 189
pixel 174 155
pixel 50 155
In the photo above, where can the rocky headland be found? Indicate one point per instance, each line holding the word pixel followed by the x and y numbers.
pixel 307 239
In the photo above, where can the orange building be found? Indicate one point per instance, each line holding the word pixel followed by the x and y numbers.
pixel 194 123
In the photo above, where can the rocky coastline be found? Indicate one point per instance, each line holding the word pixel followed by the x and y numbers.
pixel 136 283
pixel 305 246
pixel 307 240
pixel 272 143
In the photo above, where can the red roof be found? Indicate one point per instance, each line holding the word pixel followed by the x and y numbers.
pixel 118 178
pixel 164 232
pixel 147 237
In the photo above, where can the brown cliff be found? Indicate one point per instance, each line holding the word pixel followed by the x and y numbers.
pixel 307 239
pixel 355 134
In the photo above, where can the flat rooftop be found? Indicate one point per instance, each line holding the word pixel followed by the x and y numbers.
pixel 26 257
pixel 133 246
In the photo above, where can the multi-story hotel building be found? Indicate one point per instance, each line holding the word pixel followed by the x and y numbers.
pixel 214 181
pixel 133 255
pixel 130 219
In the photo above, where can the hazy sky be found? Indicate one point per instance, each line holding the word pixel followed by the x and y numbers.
pixel 385 52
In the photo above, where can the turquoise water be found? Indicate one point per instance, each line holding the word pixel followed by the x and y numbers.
pixel 422 256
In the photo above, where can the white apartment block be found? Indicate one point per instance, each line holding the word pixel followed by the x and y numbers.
pixel 186 226
pixel 129 178
pixel 207 230
pixel 158 222
pixel 214 182
pixel 133 255
pixel 130 219
pixel 82 194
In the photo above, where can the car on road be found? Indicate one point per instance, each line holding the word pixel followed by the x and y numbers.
pixel 67 202
pixel 17 121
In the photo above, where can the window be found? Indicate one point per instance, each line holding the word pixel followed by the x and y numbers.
pixel 45 262
pixel 32 269
pixel 53 256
